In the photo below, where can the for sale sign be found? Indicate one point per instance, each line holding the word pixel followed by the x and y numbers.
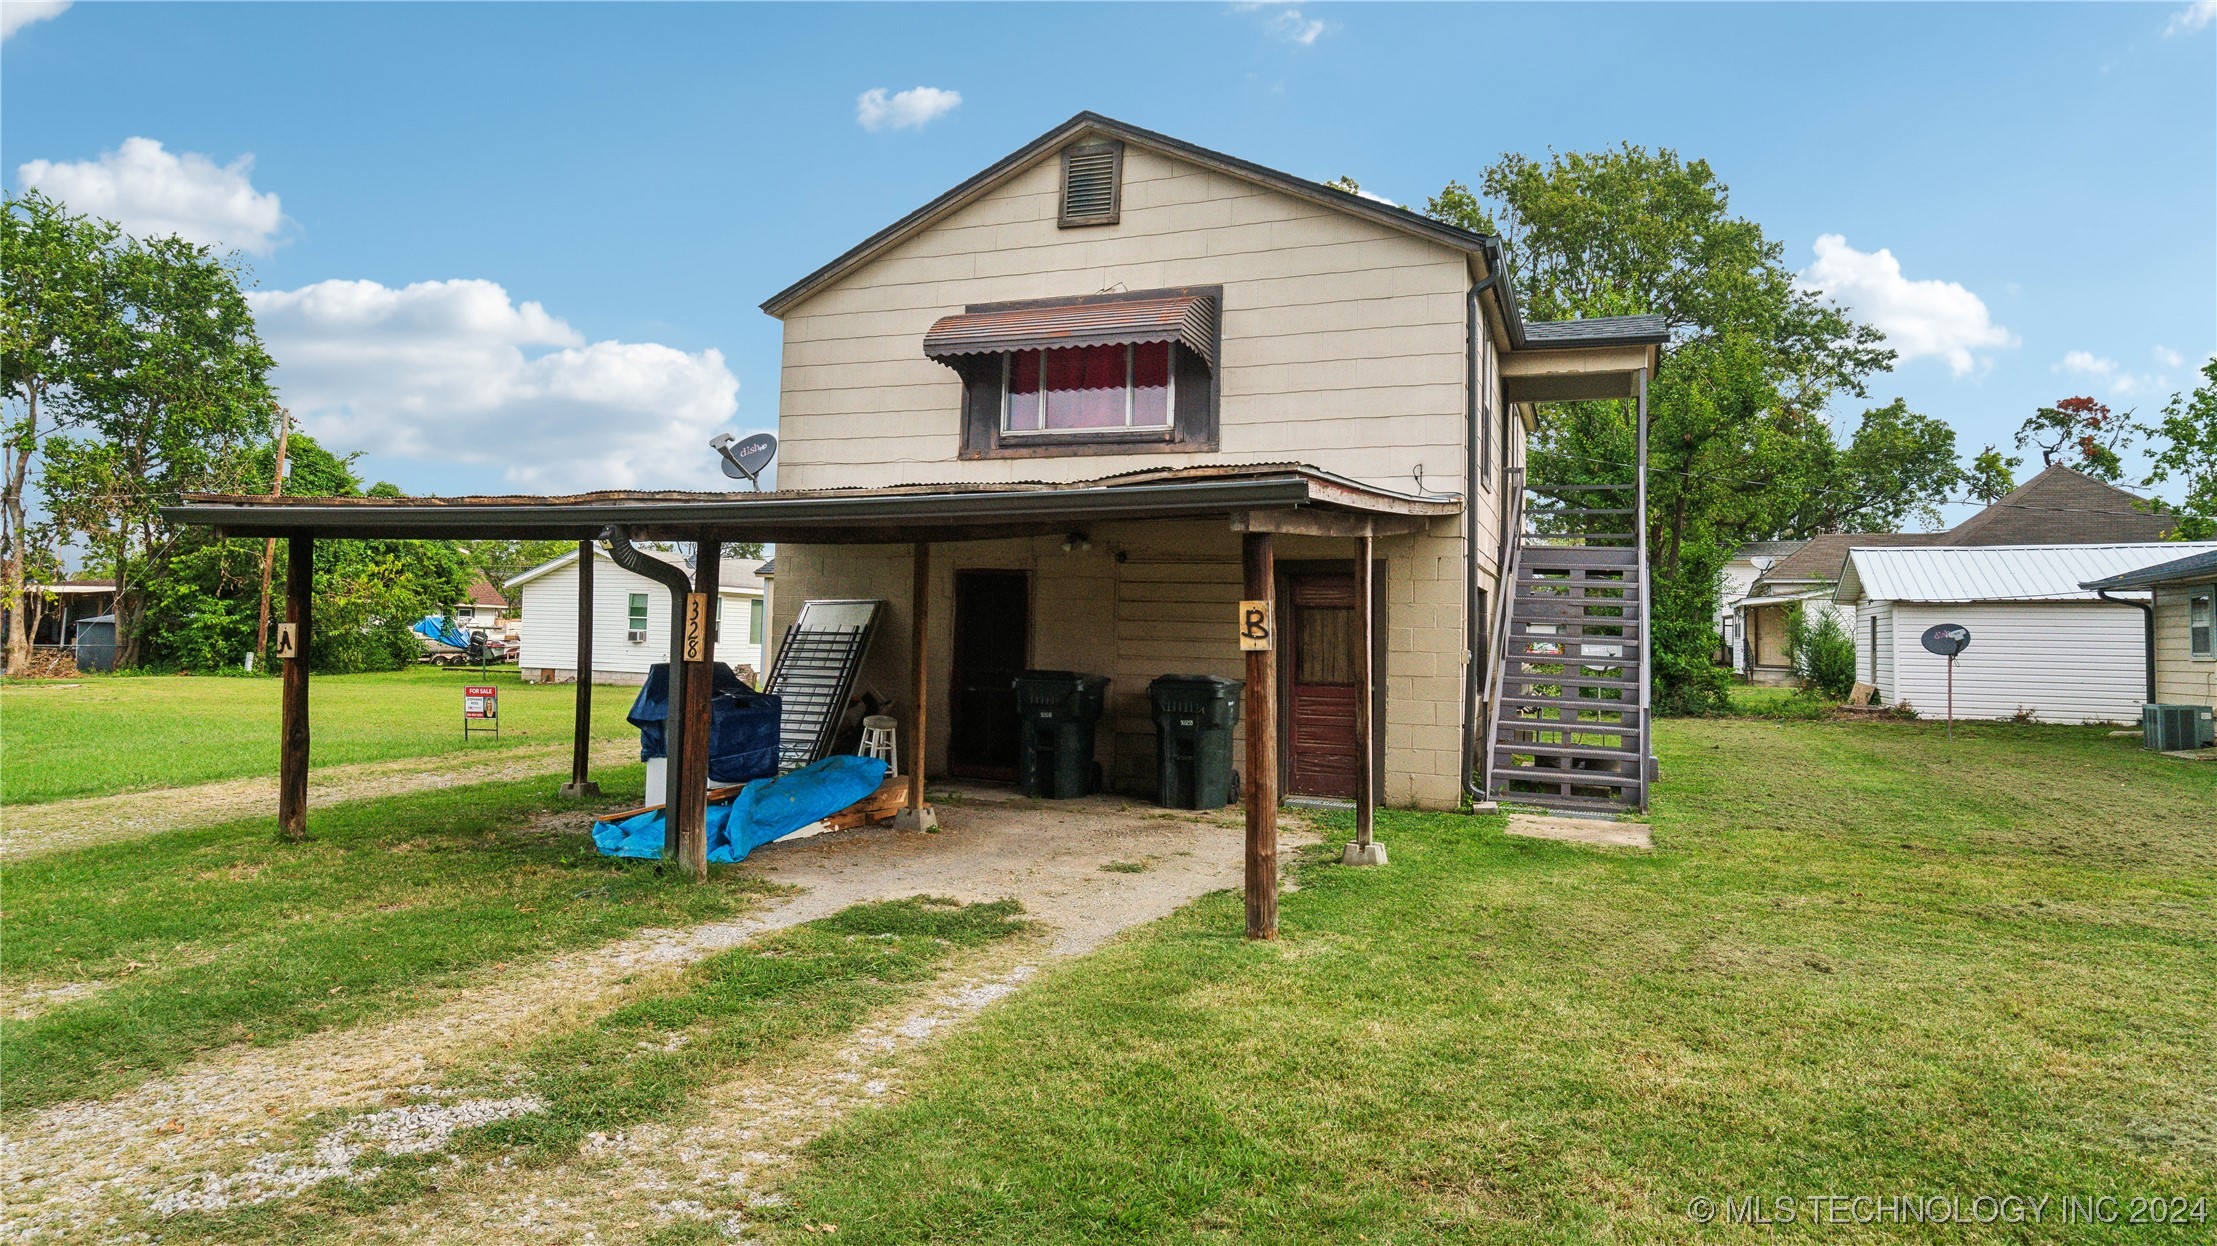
pixel 480 702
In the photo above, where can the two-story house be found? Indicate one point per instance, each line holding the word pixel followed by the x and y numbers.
pixel 1109 307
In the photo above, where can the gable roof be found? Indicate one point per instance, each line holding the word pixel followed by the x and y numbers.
pixel 2061 506
pixel 1092 125
pixel 1991 573
pixel 482 593
pixel 2193 567
pixel 1820 558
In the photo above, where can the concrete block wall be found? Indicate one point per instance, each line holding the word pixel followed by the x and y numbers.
pixel 1146 599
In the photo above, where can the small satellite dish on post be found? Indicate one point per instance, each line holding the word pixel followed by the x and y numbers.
pixel 744 460
pixel 1948 640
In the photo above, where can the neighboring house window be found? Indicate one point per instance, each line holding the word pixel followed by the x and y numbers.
pixel 638 618
pixel 754 621
pixel 1874 648
pixel 1087 387
pixel 716 626
pixel 2201 622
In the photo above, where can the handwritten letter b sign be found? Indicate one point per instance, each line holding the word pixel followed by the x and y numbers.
pixel 1254 626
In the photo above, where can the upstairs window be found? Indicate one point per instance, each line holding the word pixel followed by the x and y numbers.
pixel 1088 387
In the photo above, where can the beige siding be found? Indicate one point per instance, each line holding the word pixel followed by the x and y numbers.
pixel 1151 599
pixel 2180 677
pixel 1342 339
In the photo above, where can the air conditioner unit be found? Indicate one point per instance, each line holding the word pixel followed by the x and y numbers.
pixel 2176 728
pixel 637 636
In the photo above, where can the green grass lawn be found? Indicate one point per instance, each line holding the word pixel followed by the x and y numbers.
pixel 197 939
pixel 1860 961
pixel 126 733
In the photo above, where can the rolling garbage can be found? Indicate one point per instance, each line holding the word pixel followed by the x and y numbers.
pixel 1194 717
pixel 1056 714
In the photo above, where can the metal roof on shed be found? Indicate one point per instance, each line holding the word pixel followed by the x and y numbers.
pixel 1994 572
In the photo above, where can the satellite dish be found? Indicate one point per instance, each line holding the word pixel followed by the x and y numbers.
pixel 1947 639
pixel 745 459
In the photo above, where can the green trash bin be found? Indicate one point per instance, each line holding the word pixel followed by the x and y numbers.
pixel 1194 717
pixel 1056 714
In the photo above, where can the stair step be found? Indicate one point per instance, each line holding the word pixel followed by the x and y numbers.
pixel 1566 804
pixel 1629 706
pixel 1571 609
pixel 1579 681
pixel 1587 752
pixel 1564 778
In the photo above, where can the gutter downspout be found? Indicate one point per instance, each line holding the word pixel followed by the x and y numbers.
pixel 2147 612
pixel 1475 656
pixel 636 561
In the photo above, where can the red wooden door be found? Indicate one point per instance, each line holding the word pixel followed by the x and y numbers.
pixel 1321 686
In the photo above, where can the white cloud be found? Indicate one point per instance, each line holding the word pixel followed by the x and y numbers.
pixel 2193 17
pixel 1924 318
pixel 152 192
pixel 2117 382
pixel 2169 358
pixel 1290 25
pixel 456 371
pixel 877 109
pixel 16 14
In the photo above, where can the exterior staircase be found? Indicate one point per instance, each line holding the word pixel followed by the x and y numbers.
pixel 1567 721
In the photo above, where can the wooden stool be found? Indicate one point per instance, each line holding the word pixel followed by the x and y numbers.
pixel 878 741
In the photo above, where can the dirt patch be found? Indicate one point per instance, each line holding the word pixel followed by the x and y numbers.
pixel 1599 832
pixel 27 830
pixel 71 1165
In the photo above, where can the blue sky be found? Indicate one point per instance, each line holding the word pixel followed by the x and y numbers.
pixel 604 193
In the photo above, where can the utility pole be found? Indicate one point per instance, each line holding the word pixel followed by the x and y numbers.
pixel 269 545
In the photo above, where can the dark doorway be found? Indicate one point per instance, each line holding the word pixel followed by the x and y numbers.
pixel 1322 684
pixel 993 628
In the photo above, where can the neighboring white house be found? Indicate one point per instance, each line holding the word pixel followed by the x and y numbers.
pixel 2039 642
pixel 1747 566
pixel 631 620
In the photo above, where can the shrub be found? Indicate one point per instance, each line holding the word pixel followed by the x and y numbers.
pixel 1823 653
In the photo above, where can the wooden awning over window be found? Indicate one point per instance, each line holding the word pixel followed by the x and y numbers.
pixel 1187 319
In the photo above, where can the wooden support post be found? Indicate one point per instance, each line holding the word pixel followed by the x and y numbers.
pixel 689 798
pixel 1365 850
pixel 1261 713
pixel 918 816
pixel 292 643
pixel 581 732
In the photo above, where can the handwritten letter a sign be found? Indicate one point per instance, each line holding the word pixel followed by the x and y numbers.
pixel 288 640
pixel 1254 626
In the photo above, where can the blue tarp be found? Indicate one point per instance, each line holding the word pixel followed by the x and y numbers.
pixel 762 811
pixel 439 629
pixel 742 725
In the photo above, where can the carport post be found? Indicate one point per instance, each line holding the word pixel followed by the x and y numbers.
pixel 1365 851
pixel 292 761
pixel 581 742
pixel 1261 565
pixel 690 799
pixel 918 816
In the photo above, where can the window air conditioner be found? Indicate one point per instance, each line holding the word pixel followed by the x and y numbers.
pixel 637 635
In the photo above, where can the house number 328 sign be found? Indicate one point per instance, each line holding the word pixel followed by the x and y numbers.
pixel 697 623
pixel 1254 626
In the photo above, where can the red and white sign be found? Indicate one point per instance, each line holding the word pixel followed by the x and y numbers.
pixel 480 702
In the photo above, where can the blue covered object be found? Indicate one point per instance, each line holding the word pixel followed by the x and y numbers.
pixel 742 725
pixel 762 811
pixel 436 628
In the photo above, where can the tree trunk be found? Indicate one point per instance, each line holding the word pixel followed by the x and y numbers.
pixel 19 637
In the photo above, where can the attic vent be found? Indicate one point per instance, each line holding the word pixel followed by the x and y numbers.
pixel 1092 183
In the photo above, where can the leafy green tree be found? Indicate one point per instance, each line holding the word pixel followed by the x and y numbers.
pixel 2079 433
pixel 53 269
pixel 1738 445
pixel 1898 464
pixel 2184 444
pixel 1822 653
pixel 1991 476
pixel 172 391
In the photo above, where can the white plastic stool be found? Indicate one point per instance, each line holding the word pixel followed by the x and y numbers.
pixel 878 741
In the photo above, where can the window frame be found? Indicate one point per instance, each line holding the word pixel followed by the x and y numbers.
pixel 2207 595
pixel 1131 365
pixel 636 606
pixel 755 622
pixel 1195 401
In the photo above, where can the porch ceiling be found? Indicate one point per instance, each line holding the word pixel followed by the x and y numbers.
pixel 905 513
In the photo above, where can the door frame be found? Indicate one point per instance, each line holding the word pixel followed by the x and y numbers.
pixel 957 768
pixel 1287 569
